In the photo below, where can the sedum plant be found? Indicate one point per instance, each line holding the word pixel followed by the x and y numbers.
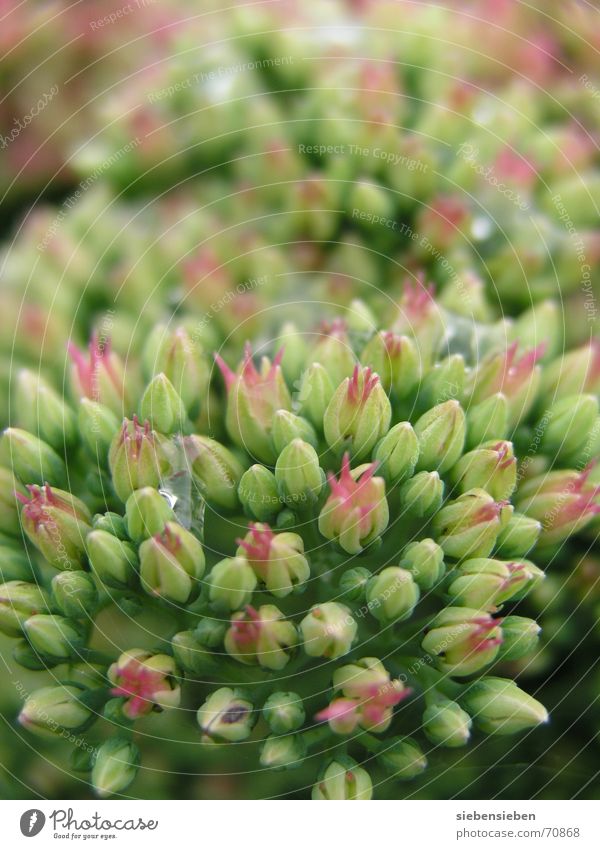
pixel 338 535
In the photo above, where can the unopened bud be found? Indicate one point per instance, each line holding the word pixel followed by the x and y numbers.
pixel 463 640
pixel 162 406
pixel 216 471
pixel 39 409
pixel 11 493
pixel 258 493
pixel 499 706
pixel 99 375
pixel 356 513
pixel 31 459
pixel 397 453
pixel 469 525
pixel 146 513
pixel 569 423
pixel 283 752
pixel 492 467
pixel 487 420
pixel 287 427
pixel 231 584
pixel 520 637
pixel 75 594
pixel 298 475
pixel 425 561
pixel 485 584
pixel 284 712
pixel 57 524
pixel 334 352
pixel 182 360
pixel 422 494
pixel 343 780
pixel 137 458
pixel 316 390
pixel 396 360
pixel 403 758
pixel 358 414
pixel 441 436
pixel 392 595
pixel 55 636
pixel 328 630
pixel 518 536
pixel 112 560
pixel 445 723
pixel 171 564
pixel 353 583
pixel 116 763
pixel 18 601
pixel 191 654
pixel 51 709
pixel 444 382
pixel 97 426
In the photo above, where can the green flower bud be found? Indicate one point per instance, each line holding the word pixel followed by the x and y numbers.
pixel 258 493
pixel 97 425
pixel 277 559
pixel 294 351
pixel 182 360
pixel 518 378
pixel 9 503
pixel 445 723
pixel 314 394
pixel 215 470
pixel 18 601
pixel 485 584
pixel 162 406
pixel 499 706
pixel 463 640
pixel 492 467
pixel 353 583
pixel 50 710
pixel 403 758
pixel 444 381
pixel 226 716
pixel 396 360
pixel 287 427
pixel 422 495
pixel 563 501
pixel 99 374
pixel 397 453
pixel 392 595
pixel 111 522
pixel 441 435
pixel 115 765
pixel 334 351
pixel 299 477
pixel 231 584
pixel 358 414
pixel 573 372
pixel 425 561
pixel 343 780
pixel 53 635
pixel 191 655
pixel 356 513
pixel 57 524
pixel 261 637
pixel 253 398
pixel 32 460
pixel 74 594
pixel 39 409
pixel 469 525
pixel 145 681
pixel 518 536
pixel 113 561
pixel 284 712
pixel 328 630
pixel 171 564
pixel 569 423
pixel 520 637
pixel 28 658
pixel 146 513
pixel 137 458
pixel 283 752
pixel 211 632
pixel 487 420
pixel 14 566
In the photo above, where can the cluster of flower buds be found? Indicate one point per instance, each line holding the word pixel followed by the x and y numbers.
pixel 334 520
